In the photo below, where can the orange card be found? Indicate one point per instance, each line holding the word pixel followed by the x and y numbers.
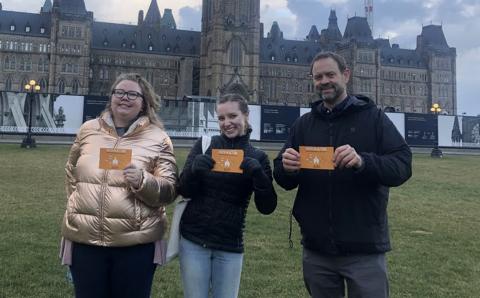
pixel 227 160
pixel 316 158
pixel 114 159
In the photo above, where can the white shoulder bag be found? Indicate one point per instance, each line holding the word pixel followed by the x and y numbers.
pixel 181 204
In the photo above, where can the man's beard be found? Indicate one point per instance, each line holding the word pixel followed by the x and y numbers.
pixel 330 98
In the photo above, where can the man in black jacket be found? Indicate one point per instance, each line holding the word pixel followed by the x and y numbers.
pixel 342 212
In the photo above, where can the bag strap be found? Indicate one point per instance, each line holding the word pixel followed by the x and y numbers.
pixel 206 140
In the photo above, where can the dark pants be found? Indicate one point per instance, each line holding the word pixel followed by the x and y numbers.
pixel 112 271
pixel 365 275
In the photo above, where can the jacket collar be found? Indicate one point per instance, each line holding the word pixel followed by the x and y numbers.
pixel 350 104
pixel 107 120
pixel 243 139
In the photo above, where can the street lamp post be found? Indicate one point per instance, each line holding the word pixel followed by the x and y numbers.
pixel 436 152
pixel 30 88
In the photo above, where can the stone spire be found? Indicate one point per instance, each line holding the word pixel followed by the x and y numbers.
pixel 47 7
pixel 313 35
pixel 153 17
pixel 275 32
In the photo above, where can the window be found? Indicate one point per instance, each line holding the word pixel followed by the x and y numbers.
pixel 236 52
pixel 9 63
pixel 43 85
pixel 28 64
pixel 12 27
pixel 61 86
pixel 27 29
pixel 42 30
pixel 22 85
pixel 21 64
pixel 150 48
pixel 8 84
pixel 75 86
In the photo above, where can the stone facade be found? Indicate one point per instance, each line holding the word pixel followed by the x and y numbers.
pixel 68 52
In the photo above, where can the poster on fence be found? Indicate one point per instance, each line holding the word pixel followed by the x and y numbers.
pixel 93 107
pixel 50 113
pixel 459 131
pixel 398 119
pixel 421 129
pixel 276 122
pixel 470 135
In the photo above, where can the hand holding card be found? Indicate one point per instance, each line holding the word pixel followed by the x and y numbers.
pixel 227 160
pixel 316 158
pixel 114 159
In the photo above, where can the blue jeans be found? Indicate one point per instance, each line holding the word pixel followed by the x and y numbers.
pixel 207 270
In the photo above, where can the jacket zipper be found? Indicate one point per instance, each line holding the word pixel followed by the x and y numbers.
pixel 102 200
pixel 330 189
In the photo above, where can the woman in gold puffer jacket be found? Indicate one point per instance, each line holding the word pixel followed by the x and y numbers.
pixel 115 218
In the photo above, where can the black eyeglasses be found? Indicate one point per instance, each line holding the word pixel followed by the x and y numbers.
pixel 131 95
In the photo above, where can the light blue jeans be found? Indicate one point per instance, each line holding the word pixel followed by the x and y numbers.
pixel 207 270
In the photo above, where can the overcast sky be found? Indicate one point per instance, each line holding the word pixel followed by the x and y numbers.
pixel 399 20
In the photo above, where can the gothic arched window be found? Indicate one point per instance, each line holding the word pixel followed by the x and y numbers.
pixel 236 52
pixel 8 84
pixel 43 85
pixel 61 86
pixel 75 87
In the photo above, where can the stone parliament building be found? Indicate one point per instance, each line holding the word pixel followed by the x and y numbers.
pixel 68 52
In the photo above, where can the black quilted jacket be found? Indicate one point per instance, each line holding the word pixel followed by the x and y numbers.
pixel 215 217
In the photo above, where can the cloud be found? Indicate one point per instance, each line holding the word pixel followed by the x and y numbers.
pixel 467 81
pixel 403 32
pixel 190 18
pixel 470 10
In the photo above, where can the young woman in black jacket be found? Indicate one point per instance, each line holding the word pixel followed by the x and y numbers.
pixel 211 244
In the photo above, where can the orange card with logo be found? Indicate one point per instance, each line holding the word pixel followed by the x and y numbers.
pixel 316 158
pixel 227 160
pixel 114 159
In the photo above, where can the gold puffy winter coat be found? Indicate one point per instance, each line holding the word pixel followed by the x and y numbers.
pixel 102 209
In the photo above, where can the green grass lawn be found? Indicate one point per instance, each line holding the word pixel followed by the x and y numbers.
pixel 434 220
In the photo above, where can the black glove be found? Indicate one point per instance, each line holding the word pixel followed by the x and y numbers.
pixel 201 164
pixel 251 167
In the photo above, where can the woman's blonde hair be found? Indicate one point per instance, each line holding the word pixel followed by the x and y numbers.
pixel 151 101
